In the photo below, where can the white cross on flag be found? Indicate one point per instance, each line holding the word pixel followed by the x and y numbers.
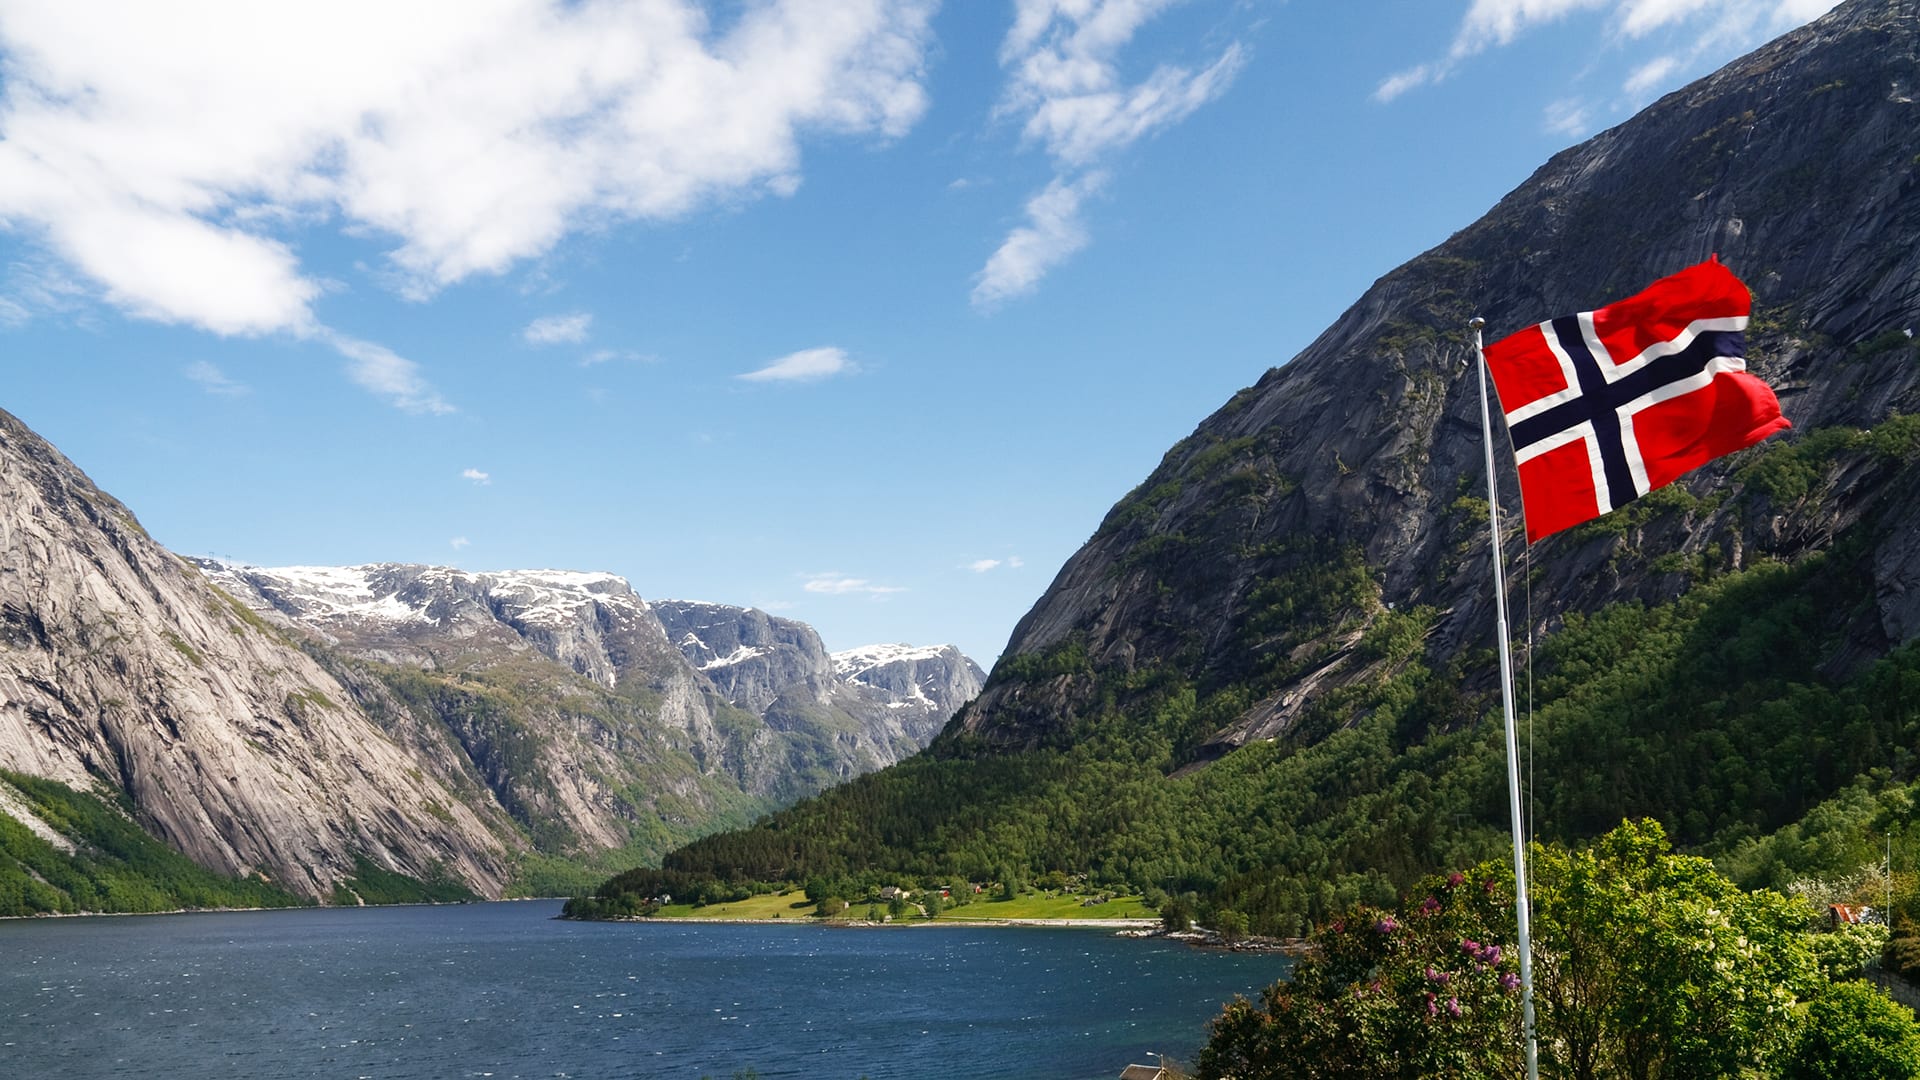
pixel 1607 405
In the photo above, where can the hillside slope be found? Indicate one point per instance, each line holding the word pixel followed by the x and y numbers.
pixel 1359 460
pixel 123 667
pixel 379 732
pixel 1267 676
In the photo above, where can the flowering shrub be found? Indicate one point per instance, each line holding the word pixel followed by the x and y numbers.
pixel 1646 965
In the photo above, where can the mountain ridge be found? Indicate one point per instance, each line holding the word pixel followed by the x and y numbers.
pixel 335 732
pixel 1268 678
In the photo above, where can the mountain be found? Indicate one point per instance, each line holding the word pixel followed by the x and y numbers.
pixel 804 726
pixel 373 732
pixel 1268 678
pixel 124 669
pixel 884 702
pixel 1340 487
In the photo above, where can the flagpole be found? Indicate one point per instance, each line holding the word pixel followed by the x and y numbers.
pixel 1521 904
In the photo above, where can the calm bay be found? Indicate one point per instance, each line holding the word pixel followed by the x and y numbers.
pixel 505 990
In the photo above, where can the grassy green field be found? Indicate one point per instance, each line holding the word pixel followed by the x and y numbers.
pixel 786 905
pixel 1045 906
pixel 795 905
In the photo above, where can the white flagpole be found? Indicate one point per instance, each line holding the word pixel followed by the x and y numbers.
pixel 1521 903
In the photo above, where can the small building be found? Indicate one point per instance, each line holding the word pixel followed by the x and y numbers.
pixel 1839 915
pixel 894 892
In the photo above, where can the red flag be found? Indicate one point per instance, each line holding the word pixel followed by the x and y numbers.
pixel 1605 406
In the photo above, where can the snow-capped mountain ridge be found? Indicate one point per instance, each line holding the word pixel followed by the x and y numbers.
pixel 404 592
pixel 888 699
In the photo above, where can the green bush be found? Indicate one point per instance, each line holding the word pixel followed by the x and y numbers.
pixel 1854 1032
pixel 1647 964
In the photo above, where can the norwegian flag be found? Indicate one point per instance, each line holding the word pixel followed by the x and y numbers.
pixel 1607 405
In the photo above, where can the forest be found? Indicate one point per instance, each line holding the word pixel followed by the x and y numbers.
pixel 1742 715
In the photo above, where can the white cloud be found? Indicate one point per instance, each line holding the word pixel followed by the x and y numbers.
pixel 1641 17
pixel 479 478
pixel 1721 28
pixel 804 366
pixel 459 542
pixel 841 585
pixel 1568 116
pixel 982 566
pixel 36 287
pixel 1053 232
pixel 1399 83
pixel 167 153
pixel 1082 128
pixel 558 329
pixel 214 381
pixel 607 356
pixel 1654 73
pixel 378 369
pixel 1063 63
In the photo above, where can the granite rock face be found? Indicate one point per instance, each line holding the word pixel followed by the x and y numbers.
pixel 122 666
pixel 878 704
pixel 1349 482
pixel 585 710
pixel 291 722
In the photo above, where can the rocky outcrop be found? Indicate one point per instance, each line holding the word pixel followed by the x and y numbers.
pixel 588 713
pixel 877 704
pixel 758 661
pixel 299 723
pixel 122 667
pixel 931 681
pixel 1345 484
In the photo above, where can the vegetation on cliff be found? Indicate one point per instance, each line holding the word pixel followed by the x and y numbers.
pixel 1646 964
pixel 115 865
pixel 1720 713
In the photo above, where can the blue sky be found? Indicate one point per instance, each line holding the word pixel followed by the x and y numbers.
pixel 861 312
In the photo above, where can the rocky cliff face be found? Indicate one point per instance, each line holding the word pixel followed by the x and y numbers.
pixel 300 723
pixel 1347 484
pixel 586 710
pixel 881 703
pixel 759 662
pixel 121 666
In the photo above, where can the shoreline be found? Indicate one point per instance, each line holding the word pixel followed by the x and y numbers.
pixel 283 907
pixel 863 924
pixel 1144 929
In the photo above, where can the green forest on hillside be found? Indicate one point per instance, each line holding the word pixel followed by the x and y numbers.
pixel 116 866
pixel 1728 714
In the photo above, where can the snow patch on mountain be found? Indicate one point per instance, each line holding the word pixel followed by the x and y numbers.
pixel 852 662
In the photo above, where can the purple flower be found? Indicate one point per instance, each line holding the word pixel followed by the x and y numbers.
pixel 1454 879
pixel 1386 925
pixel 1453 1007
pixel 1470 947
pixel 1430 906
pixel 1490 955
pixel 1440 977
pixel 1509 982
pixel 1433 1007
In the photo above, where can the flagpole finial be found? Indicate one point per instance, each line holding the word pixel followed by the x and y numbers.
pixel 1476 323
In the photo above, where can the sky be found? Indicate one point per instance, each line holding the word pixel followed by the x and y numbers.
pixel 861 312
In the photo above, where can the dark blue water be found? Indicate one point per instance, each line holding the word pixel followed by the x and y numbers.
pixel 504 990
